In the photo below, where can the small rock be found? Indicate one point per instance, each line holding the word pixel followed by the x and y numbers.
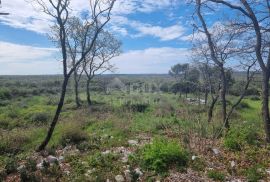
pixel 138 171
pixel 40 165
pixel 125 159
pixel 20 168
pixel 61 159
pixel 128 175
pixel 233 164
pixel 267 171
pixel 193 157
pixel 67 172
pixel 119 178
pixel 51 159
pixel 106 152
pixel 133 142
pixel 84 163
pixel 90 171
pixel 216 151
pixel 67 148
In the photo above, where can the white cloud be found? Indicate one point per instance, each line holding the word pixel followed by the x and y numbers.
pixel 24 15
pixel 163 33
pixel 20 59
pixel 121 24
pixel 151 60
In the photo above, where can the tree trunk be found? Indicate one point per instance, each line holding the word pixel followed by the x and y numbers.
pixel 56 116
pixel 206 96
pixel 88 93
pixel 211 108
pixel 76 89
pixel 199 97
pixel 265 105
pixel 223 98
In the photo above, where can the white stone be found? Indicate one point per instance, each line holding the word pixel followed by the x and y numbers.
pixel 216 151
pixel 125 159
pixel 67 172
pixel 61 159
pixel 106 152
pixel 40 165
pixel 233 164
pixel 133 142
pixel 20 168
pixel 119 178
pixel 128 175
pixel 138 171
pixel 67 148
pixel 193 157
pixel 51 159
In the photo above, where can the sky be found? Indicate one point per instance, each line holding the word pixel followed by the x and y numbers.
pixel 153 35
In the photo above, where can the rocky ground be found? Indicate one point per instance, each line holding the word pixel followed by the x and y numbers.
pixel 215 159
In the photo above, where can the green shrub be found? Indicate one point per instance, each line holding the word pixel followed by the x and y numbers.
pixel 3 174
pixel 237 137
pixel 4 103
pixel 12 112
pixel 26 176
pixel 31 165
pixel 12 142
pixel 53 171
pixel 5 94
pixel 11 165
pixel 103 161
pixel 163 154
pixel 255 173
pixel 198 164
pixel 216 175
pixel 9 124
pixel 164 109
pixel 243 105
pixel 73 134
pixel 40 118
pixel 136 107
pixel 255 98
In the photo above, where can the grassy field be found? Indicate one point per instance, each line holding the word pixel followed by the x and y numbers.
pixel 139 136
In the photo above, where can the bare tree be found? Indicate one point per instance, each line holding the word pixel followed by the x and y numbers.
pixel 219 46
pixel 60 11
pixel 254 19
pixel 98 61
pixel 223 45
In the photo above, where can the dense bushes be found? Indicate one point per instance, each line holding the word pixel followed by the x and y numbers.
pixel 216 175
pixel 239 136
pixel 13 141
pixel 72 134
pixel 5 94
pixel 162 154
pixel 255 173
pixel 243 105
pixel 137 107
pixel 40 118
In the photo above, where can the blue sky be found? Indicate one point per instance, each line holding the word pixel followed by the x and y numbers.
pixel 153 34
